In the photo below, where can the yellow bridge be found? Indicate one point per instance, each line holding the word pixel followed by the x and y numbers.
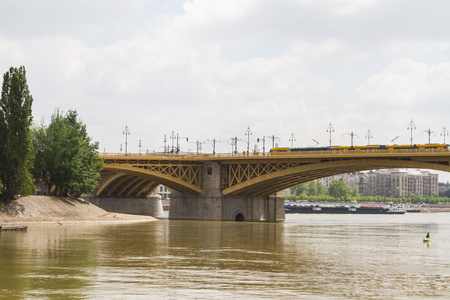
pixel 253 174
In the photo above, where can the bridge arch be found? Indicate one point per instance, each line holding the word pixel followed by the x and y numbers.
pixel 125 179
pixel 271 183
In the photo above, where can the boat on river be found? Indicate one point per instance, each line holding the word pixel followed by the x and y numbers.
pixel 341 209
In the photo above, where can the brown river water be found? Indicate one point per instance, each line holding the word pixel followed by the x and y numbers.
pixel 305 257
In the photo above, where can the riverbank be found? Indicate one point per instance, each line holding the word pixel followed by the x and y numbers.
pixel 61 210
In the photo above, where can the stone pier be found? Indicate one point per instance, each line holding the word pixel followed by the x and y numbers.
pixel 212 205
pixel 141 206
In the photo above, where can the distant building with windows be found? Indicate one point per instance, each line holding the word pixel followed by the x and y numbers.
pixel 390 182
pixel 327 180
pixel 405 182
pixel 163 191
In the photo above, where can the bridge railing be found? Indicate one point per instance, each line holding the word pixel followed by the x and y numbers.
pixel 319 153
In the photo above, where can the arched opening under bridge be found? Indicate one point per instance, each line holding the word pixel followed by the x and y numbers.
pixel 239 218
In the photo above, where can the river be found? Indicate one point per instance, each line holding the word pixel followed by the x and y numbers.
pixel 306 257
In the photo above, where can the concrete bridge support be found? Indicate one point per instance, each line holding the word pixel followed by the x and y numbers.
pixel 140 206
pixel 212 205
pixel 226 208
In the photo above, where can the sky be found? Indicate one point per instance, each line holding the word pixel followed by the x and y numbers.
pixel 212 69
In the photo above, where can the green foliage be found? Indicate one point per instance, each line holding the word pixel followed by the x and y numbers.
pixel 445 194
pixel 298 189
pixel 339 192
pixel 16 157
pixel 65 157
pixel 312 188
pixel 338 189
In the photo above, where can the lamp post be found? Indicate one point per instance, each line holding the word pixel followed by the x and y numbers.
pixel 199 147
pixel 264 143
pixel 172 137
pixel 330 129
pixel 411 126
pixel 165 141
pixel 248 133
pixel 444 133
pixel 178 144
pixel 126 131
pixel 292 139
pixel 213 141
pixel 351 134
pixel 273 137
pixel 368 136
pixel 140 145
pixel 429 132
pixel 233 142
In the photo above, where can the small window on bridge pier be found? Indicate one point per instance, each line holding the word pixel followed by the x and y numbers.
pixel 209 170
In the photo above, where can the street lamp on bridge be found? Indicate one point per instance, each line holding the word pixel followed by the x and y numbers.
pixel 292 139
pixel 429 132
pixel 352 135
pixel 248 133
pixel 444 133
pixel 126 131
pixel 368 136
pixel 213 142
pixel 273 137
pixel 233 142
pixel 178 144
pixel 330 129
pixel 173 137
pixel 411 126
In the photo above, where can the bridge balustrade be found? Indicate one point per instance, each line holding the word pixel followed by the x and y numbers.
pixel 273 154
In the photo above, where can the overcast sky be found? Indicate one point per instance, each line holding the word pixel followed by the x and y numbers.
pixel 209 69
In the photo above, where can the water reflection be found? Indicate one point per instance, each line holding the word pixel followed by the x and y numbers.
pixel 305 257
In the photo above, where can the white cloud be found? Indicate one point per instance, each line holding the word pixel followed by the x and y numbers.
pixel 409 85
pixel 208 69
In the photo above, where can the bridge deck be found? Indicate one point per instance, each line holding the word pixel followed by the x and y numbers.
pixel 253 173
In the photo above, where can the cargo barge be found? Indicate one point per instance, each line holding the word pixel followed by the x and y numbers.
pixel 335 209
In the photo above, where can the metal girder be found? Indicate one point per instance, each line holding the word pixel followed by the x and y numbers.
pixel 106 179
pixel 179 175
pixel 259 180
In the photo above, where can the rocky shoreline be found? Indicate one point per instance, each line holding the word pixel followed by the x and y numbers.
pixel 61 210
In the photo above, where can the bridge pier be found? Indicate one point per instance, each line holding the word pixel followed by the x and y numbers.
pixel 212 205
pixel 226 208
pixel 141 206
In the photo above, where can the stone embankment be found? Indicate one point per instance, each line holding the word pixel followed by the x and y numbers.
pixel 60 210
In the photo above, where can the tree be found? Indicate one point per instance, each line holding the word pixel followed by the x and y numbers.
pixel 338 189
pixel 299 189
pixel 16 157
pixel 65 157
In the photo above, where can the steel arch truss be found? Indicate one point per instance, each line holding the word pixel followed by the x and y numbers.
pixel 261 179
pixel 138 178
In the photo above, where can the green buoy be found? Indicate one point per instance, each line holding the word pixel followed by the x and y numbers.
pixel 427 238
